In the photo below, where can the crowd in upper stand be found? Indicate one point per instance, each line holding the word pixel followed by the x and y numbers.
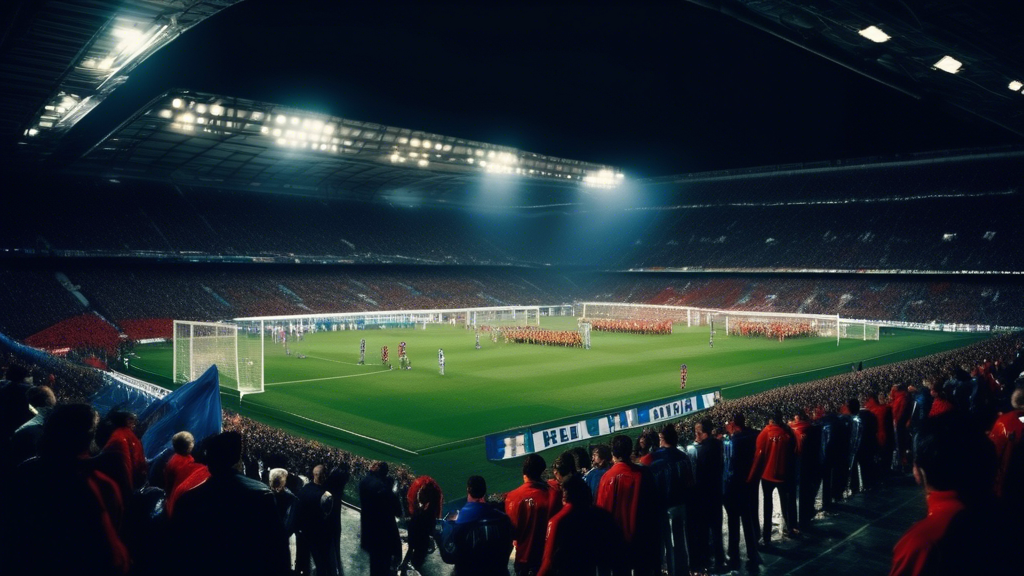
pixel 840 225
pixel 80 483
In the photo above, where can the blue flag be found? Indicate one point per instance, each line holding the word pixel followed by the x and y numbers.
pixel 194 407
pixel 116 394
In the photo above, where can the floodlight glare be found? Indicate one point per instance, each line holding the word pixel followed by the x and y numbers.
pixel 874 34
pixel 280 119
pixel 165 113
pixel 201 108
pixel 1016 85
pixel 216 109
pixel 105 64
pixel 426 144
pixel 295 121
pixel 948 64
pixel 415 142
pixel 423 163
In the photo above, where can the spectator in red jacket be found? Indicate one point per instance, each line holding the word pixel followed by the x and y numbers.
pixel 127 447
pixel 181 463
pixel 530 507
pixel 581 538
pixel 772 462
pixel 940 402
pixel 628 492
pixel 963 532
pixel 1007 434
pixel 900 402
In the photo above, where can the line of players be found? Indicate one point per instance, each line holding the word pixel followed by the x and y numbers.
pixel 631 326
pixel 774 330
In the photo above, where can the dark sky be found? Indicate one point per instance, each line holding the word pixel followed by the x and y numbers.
pixel 654 88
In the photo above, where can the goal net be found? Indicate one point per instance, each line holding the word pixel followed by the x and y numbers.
pixel 236 351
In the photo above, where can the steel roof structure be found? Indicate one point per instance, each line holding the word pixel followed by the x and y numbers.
pixel 200 139
pixel 963 52
pixel 61 59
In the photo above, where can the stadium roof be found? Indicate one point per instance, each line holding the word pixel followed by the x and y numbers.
pixel 966 53
pixel 62 59
pixel 655 88
pixel 221 141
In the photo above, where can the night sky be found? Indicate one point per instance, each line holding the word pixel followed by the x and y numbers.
pixel 653 88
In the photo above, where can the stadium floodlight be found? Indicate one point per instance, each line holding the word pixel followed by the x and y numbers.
pixel 176 103
pixel 1016 85
pixel 217 110
pixel 874 34
pixel 603 178
pixel 427 144
pixel 949 64
pixel 201 108
pixel 423 163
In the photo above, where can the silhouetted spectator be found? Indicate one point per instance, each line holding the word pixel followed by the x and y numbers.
pixel 378 526
pixel 311 523
pixel 230 521
pixel 337 480
pixel 425 500
pixel 674 479
pixel 707 499
pixel 14 408
pixel 25 440
pixel 65 516
pixel 740 498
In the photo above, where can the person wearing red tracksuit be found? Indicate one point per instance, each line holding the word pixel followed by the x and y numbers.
pixel 530 507
pixel 1008 434
pixel 772 462
pixel 628 491
pixel 900 402
pixel 884 432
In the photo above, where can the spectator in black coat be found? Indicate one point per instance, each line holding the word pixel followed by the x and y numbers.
pixel 336 482
pixel 230 521
pixel 311 523
pixel 740 497
pixel 378 528
pixel 14 410
pixel 673 476
pixel 707 499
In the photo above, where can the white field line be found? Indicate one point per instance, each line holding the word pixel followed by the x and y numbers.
pixel 612 410
pixel 335 361
pixel 327 378
pixel 349 432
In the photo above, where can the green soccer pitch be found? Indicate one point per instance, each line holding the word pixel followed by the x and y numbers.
pixel 436 424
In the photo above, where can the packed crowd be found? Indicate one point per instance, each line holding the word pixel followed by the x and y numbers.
pixel 631 326
pixel 854 222
pixel 632 508
pixel 536 335
pixel 774 330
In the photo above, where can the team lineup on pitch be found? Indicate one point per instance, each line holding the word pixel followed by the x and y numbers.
pixel 416 415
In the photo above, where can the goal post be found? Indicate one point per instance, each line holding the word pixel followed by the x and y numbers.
pixel 237 353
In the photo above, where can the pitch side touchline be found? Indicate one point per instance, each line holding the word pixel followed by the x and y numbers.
pixel 327 378
pixel 335 361
pixel 667 397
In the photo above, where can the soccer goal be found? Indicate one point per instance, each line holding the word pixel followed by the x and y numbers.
pixel 237 353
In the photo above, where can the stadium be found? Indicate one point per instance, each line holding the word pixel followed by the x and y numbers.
pixel 328 289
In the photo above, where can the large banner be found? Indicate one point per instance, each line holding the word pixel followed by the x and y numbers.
pixel 517 443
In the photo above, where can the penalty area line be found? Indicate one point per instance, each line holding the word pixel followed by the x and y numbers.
pixel 350 432
pixel 327 378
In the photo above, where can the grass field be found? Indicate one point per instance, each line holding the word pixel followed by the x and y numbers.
pixel 436 424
